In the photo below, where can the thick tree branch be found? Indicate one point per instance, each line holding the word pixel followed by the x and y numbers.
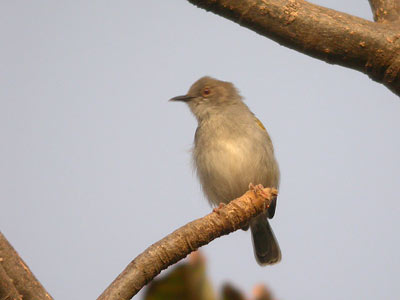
pixel 326 34
pixel 385 10
pixel 22 278
pixel 186 239
pixel 7 288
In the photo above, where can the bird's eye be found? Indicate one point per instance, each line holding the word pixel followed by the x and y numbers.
pixel 206 92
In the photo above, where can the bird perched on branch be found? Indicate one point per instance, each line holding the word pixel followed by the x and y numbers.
pixel 232 149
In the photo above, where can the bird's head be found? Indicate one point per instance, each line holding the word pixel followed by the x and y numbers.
pixel 209 96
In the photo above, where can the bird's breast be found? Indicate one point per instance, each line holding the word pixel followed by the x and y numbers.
pixel 228 159
pixel 223 155
pixel 224 168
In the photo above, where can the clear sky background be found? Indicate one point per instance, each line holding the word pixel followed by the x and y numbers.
pixel 95 162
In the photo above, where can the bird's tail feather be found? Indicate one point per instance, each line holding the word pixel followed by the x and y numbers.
pixel 265 245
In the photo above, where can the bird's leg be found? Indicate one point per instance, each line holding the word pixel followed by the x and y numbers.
pixel 259 188
pixel 216 209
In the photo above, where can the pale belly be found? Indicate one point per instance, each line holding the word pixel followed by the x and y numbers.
pixel 227 168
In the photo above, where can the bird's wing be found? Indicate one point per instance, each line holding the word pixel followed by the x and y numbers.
pixel 272 207
pixel 260 124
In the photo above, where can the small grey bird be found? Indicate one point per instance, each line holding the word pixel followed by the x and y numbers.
pixel 231 150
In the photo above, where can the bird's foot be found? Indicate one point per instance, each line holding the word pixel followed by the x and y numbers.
pixel 217 209
pixel 259 189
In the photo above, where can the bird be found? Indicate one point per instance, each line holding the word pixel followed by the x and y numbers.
pixel 232 149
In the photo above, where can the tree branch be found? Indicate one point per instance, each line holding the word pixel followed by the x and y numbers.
pixel 22 278
pixel 385 10
pixel 7 288
pixel 326 34
pixel 186 239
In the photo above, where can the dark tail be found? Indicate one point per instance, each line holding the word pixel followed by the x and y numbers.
pixel 265 245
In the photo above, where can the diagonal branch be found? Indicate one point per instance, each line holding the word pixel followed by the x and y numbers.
pixel 18 272
pixel 187 239
pixel 326 34
pixel 8 291
pixel 385 10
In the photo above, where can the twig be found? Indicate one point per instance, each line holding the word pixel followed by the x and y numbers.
pixel 186 239
pixel 22 278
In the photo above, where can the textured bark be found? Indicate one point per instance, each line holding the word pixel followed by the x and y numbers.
pixel 385 10
pixel 186 239
pixel 7 288
pixel 19 274
pixel 326 34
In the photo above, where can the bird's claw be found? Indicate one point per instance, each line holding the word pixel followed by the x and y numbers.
pixel 259 189
pixel 217 209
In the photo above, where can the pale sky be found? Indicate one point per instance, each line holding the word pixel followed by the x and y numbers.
pixel 95 162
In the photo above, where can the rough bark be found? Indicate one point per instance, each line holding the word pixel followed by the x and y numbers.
pixel 19 274
pixel 332 36
pixel 7 288
pixel 186 239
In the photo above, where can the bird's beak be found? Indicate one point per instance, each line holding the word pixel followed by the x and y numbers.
pixel 184 98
